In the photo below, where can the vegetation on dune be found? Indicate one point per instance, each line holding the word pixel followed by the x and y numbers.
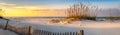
pixel 81 11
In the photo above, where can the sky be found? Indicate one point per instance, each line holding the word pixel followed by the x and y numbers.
pixel 60 3
pixel 18 7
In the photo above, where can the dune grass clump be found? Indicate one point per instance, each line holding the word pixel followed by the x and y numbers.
pixel 80 11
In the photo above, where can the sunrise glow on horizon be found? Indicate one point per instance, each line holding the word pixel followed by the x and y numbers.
pixel 33 8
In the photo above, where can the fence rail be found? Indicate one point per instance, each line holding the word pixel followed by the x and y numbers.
pixel 31 31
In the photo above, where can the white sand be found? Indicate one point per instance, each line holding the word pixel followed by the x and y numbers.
pixel 6 32
pixel 89 27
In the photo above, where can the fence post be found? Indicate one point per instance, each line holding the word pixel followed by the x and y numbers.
pixel 81 32
pixel 6 25
pixel 30 30
pixel 73 33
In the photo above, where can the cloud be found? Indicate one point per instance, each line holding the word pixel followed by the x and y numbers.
pixel 6 4
pixel 28 7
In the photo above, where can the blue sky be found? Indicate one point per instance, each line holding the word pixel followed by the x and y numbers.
pixel 62 3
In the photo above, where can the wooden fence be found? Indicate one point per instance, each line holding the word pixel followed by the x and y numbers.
pixel 42 32
pixel 31 31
